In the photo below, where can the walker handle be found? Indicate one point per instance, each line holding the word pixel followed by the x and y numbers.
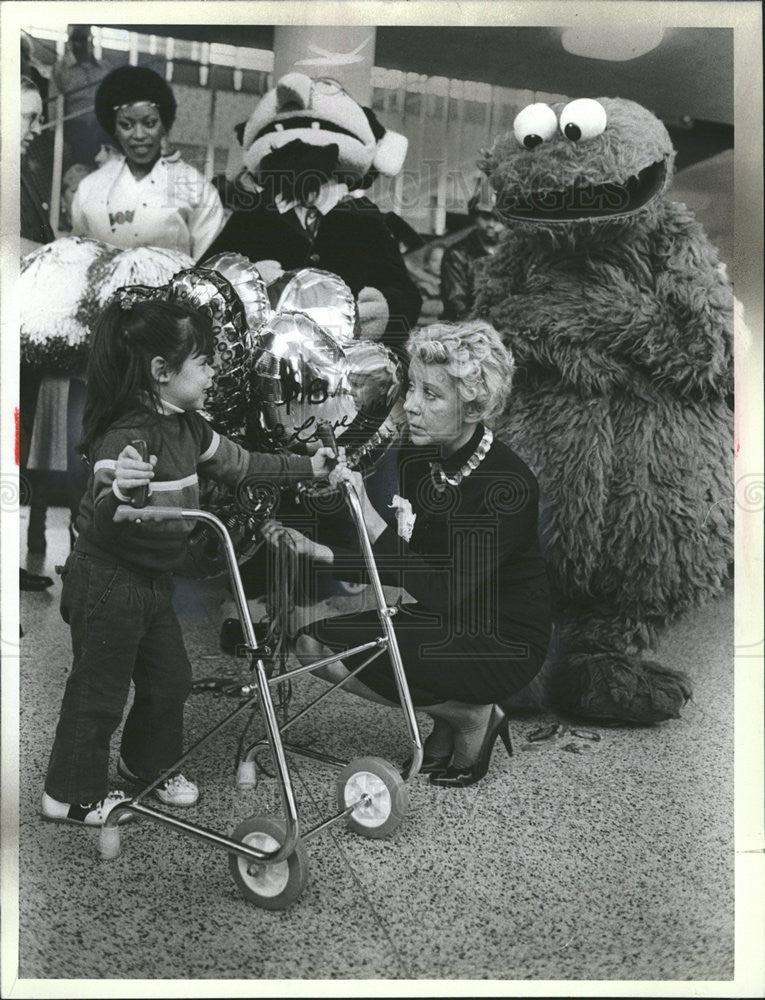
pixel 126 513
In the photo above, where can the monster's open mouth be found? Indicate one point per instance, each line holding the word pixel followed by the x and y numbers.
pixel 587 201
pixel 305 121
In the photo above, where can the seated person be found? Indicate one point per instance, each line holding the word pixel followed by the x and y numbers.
pixel 466 550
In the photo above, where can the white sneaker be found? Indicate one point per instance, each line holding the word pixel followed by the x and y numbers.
pixel 85 813
pixel 177 791
pixel 174 791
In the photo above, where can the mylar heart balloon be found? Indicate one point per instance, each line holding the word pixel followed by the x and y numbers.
pixel 228 401
pixel 246 281
pixel 300 376
pixel 321 295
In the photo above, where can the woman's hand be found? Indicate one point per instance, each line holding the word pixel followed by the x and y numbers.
pixel 273 532
pixel 132 472
pixel 375 524
pixel 373 313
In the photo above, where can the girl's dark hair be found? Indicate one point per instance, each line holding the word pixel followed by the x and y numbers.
pixel 125 339
pixel 129 85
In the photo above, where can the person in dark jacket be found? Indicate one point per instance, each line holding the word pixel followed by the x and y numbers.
pixel 34 207
pixel 465 548
pixel 349 237
pixel 35 229
pixel 310 150
pixel 459 260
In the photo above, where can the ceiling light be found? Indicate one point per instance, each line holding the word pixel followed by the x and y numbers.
pixel 612 44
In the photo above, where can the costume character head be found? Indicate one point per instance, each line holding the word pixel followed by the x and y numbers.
pixel 579 162
pixel 304 133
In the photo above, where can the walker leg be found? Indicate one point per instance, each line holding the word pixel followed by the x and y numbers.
pixel 109 842
pixel 246 775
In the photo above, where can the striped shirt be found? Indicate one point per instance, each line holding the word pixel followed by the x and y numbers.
pixel 186 447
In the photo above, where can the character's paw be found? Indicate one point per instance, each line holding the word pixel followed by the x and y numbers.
pixel 373 313
pixel 615 687
pixel 269 270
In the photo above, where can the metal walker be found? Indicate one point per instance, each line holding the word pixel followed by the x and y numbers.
pixel 267 854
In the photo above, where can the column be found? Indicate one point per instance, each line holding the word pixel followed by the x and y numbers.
pixel 345 53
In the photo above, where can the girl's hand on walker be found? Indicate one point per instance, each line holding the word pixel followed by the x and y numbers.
pixel 322 461
pixel 274 531
pixel 131 471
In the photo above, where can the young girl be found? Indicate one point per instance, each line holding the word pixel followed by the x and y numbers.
pixel 148 374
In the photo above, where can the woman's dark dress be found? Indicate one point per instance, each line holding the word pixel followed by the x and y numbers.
pixel 481 625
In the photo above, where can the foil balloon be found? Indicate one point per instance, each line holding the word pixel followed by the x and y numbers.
pixel 302 375
pixel 375 379
pixel 228 401
pixel 246 281
pixel 321 295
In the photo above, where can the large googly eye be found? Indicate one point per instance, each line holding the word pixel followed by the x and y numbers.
pixel 536 123
pixel 583 119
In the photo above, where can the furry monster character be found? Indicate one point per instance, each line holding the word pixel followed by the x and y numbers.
pixel 308 145
pixel 619 315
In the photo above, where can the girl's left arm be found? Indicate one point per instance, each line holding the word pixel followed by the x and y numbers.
pixel 226 461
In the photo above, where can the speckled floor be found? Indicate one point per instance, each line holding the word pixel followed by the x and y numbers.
pixel 613 865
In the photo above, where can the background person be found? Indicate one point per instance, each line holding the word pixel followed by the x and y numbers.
pixel 459 260
pixel 35 230
pixel 465 548
pixel 76 75
pixel 144 197
pixel 34 207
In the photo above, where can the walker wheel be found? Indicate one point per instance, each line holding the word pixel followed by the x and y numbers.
pixel 381 793
pixel 271 886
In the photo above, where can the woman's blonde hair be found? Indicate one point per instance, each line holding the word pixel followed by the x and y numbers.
pixel 475 357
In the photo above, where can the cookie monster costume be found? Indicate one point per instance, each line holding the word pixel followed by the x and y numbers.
pixel 620 318
pixel 308 145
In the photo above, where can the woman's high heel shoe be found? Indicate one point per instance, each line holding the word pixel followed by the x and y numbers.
pixel 461 777
pixel 431 763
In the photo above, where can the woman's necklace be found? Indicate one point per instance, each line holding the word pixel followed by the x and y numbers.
pixel 439 477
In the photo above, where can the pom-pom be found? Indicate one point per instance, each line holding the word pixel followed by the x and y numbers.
pixel 390 154
pixel 153 266
pixel 65 285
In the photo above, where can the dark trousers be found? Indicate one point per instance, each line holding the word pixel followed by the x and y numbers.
pixel 123 628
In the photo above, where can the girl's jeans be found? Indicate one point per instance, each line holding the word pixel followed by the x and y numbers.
pixel 123 628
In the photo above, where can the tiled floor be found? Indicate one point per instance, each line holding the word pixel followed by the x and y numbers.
pixel 616 865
